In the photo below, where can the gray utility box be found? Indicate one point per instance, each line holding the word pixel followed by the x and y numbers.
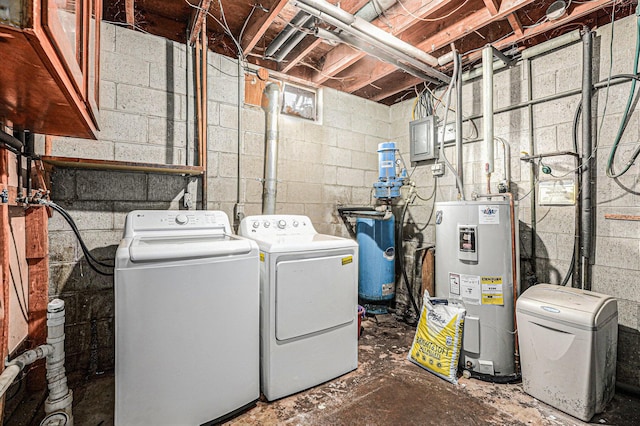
pixel 568 342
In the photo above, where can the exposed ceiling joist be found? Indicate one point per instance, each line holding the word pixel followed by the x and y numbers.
pixel 396 18
pixel 579 11
pixel 130 13
pixel 258 23
pixel 492 6
pixel 516 25
pixel 428 25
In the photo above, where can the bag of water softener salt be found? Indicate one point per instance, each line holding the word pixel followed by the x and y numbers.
pixel 436 346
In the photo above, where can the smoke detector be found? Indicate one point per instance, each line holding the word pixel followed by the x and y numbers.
pixel 557 10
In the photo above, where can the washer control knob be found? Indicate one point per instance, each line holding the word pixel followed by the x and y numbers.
pixel 267 224
pixel 256 224
pixel 282 224
pixel 182 219
pixel 295 223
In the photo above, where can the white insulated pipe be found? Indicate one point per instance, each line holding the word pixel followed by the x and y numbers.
pixel 272 109
pixel 369 33
pixel 367 48
pixel 374 8
pixel 487 107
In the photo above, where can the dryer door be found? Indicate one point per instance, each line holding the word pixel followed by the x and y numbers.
pixel 314 295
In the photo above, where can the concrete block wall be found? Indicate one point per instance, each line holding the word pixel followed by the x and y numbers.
pixel 616 261
pixel 147 115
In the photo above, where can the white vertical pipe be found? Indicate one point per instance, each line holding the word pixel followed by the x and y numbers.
pixel 60 396
pixel 272 109
pixel 487 106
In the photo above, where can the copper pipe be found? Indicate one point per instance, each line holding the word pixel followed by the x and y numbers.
pixel 198 100
pixel 204 39
pixel 200 20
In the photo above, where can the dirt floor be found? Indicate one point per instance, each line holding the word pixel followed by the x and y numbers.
pixel 386 389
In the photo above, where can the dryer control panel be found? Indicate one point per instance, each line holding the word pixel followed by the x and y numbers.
pixel 276 225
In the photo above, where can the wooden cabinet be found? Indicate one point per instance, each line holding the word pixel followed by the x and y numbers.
pixel 49 65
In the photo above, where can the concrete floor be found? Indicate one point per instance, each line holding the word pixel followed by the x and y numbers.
pixel 386 389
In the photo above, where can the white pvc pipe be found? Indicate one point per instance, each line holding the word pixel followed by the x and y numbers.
pixel 15 366
pixel 272 109
pixel 60 397
pixel 487 107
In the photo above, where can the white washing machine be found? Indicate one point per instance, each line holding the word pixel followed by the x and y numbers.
pixel 568 347
pixel 308 303
pixel 186 319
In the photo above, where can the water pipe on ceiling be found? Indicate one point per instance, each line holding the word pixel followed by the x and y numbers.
pixel 371 34
pixel 303 24
pixel 371 50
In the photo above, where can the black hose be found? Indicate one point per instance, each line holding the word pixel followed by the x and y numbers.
pixel 90 258
pixel 574 135
pixel 401 259
pixel 510 379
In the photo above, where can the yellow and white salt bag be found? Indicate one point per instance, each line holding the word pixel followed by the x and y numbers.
pixel 436 345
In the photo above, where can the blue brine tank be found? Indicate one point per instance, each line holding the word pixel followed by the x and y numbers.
pixel 376 276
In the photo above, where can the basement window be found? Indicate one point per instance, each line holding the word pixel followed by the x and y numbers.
pixel 299 102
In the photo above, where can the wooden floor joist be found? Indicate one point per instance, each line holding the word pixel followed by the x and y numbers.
pixel 622 217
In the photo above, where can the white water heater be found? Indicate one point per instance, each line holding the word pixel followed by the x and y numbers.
pixel 477 261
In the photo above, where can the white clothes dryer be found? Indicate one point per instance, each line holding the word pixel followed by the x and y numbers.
pixel 308 303
pixel 186 319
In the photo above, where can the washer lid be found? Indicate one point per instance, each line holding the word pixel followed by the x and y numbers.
pixel 149 249
pixel 573 305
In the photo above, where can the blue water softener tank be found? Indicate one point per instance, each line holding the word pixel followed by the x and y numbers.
pixel 376 276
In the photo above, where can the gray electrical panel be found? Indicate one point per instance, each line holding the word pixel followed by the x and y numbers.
pixel 422 137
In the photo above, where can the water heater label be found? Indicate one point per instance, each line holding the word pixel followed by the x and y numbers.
pixel 488 215
pixel 347 260
pixel 492 292
pixel 387 164
pixel 454 284
pixel 470 289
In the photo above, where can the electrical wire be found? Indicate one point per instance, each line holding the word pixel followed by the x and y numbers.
pixel 432 19
pixel 224 27
pixel 87 254
pixel 576 119
pixel 246 21
pixel 625 119
pixel 456 64
pixel 401 259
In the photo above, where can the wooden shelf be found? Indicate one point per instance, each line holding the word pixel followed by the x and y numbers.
pixel 124 166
